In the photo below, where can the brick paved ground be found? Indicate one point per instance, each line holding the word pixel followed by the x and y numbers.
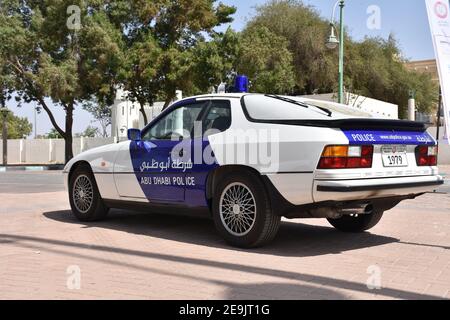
pixel 146 256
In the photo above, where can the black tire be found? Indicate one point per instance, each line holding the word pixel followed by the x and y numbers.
pixel 357 224
pixel 90 210
pixel 264 225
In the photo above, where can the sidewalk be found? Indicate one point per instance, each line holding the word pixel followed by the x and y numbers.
pixel 51 167
pixel 47 254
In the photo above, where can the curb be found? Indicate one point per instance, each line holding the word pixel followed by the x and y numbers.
pixel 32 168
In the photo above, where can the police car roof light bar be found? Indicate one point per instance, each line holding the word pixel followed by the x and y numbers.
pixel 241 84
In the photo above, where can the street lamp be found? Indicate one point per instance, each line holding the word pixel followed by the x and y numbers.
pixel 333 42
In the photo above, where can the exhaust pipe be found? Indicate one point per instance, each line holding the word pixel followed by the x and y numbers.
pixel 358 210
pixel 336 213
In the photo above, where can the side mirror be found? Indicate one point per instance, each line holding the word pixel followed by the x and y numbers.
pixel 134 134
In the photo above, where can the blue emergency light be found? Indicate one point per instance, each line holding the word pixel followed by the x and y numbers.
pixel 241 84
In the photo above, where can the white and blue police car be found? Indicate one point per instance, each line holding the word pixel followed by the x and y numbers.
pixel 247 160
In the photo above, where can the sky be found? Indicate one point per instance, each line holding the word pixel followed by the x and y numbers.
pixel 406 19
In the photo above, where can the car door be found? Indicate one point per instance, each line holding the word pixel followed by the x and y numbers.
pixel 215 119
pixel 160 175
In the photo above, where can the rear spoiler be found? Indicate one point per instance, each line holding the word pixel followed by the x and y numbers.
pixel 379 124
pixel 355 124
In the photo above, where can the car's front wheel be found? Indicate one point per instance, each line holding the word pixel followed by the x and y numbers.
pixel 357 223
pixel 242 211
pixel 85 200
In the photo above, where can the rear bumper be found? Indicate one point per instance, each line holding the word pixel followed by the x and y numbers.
pixel 344 190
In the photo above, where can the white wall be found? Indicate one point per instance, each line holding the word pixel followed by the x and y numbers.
pixel 379 109
pixel 48 151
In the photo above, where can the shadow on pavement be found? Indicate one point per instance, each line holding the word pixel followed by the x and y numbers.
pixel 61 247
pixel 285 291
pixel 294 239
pixel 426 245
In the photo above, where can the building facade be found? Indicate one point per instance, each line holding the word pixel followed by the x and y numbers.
pixel 127 114
pixel 428 67
pixel 425 66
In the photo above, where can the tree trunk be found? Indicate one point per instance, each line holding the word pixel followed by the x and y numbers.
pixel 104 130
pixel 68 139
pixel 167 102
pixel 144 115
pixel 68 142
pixel 5 137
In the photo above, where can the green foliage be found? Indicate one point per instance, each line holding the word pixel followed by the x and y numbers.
pixel 139 69
pixel 89 132
pixel 214 60
pixel 161 39
pixel 305 31
pixel 46 59
pixel 151 48
pixel 6 85
pixel 373 67
pixel 18 127
pixel 266 59
pixel 53 134
pixel 101 113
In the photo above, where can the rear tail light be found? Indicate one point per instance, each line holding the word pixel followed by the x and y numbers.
pixel 426 156
pixel 346 157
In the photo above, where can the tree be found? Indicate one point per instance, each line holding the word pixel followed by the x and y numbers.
pixel 266 59
pixel 53 134
pixel 18 127
pixel 140 70
pixel 101 113
pixel 5 91
pixel 51 55
pixel 6 83
pixel 89 132
pixel 305 32
pixel 374 67
pixel 160 38
pixel 214 60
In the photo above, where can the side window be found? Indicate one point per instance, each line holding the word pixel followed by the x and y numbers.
pixel 178 124
pixel 218 118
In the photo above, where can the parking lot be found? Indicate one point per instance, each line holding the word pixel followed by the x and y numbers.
pixel 46 254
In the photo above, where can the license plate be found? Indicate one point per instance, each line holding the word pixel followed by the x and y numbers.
pixel 394 156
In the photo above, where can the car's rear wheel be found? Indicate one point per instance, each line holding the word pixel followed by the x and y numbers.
pixel 357 223
pixel 242 211
pixel 85 200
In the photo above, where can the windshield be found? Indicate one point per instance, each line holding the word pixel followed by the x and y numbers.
pixel 266 107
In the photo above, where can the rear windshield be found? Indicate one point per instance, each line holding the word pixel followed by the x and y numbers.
pixel 262 107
